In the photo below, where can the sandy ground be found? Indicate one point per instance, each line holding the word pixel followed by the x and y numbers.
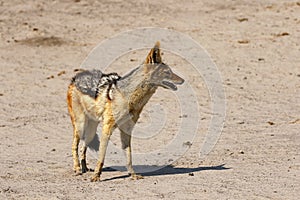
pixel 255 45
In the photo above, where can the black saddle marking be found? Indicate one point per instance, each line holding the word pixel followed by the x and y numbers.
pixel 93 82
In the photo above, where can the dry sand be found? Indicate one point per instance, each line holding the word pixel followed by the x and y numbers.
pixel 255 45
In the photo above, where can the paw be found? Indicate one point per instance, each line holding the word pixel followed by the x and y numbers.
pixel 90 170
pixel 85 169
pixel 78 172
pixel 136 177
pixel 95 178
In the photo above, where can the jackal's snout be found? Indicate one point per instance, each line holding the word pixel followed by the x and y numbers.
pixel 171 80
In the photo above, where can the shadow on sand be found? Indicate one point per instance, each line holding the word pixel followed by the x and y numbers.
pixel 164 170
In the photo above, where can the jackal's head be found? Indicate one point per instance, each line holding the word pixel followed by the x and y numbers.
pixel 160 74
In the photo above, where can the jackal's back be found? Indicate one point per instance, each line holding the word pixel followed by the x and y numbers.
pixel 93 82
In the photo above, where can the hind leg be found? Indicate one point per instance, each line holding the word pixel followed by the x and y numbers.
pixel 89 134
pixel 76 166
pixel 78 131
pixel 75 112
pixel 83 159
pixel 78 119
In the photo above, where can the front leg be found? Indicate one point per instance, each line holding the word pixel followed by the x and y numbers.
pixel 126 146
pixel 102 151
pixel 108 125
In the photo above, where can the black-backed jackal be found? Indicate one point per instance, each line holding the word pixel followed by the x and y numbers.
pixel 117 102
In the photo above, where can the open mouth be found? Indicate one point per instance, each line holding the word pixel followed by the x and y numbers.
pixel 169 85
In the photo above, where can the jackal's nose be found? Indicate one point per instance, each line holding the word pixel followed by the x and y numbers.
pixel 182 81
pixel 177 79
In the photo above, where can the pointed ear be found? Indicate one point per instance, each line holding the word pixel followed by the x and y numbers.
pixel 154 55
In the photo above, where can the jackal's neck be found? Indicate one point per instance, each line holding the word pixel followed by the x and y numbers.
pixel 136 88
